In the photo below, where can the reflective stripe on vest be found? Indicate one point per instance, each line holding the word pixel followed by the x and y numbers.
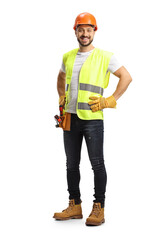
pixel 67 86
pixel 91 88
pixel 84 106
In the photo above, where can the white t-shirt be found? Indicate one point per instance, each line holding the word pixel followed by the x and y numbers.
pixel 80 59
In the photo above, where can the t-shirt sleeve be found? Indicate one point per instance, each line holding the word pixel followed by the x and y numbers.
pixel 63 67
pixel 114 64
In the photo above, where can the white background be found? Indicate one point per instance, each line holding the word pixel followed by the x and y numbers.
pixel 33 37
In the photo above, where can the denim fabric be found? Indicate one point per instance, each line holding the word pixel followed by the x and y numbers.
pixel 92 131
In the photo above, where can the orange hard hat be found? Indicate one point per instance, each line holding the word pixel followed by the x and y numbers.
pixel 85 18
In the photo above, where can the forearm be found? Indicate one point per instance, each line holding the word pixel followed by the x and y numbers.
pixel 61 86
pixel 122 86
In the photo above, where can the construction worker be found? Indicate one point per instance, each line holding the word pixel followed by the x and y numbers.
pixel 81 81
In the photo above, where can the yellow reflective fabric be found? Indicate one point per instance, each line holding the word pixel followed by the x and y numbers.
pixel 92 80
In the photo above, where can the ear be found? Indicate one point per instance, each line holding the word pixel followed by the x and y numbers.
pixel 76 33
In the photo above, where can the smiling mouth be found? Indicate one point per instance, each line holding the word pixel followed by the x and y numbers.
pixel 84 39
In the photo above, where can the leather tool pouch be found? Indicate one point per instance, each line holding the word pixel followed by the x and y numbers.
pixel 66 122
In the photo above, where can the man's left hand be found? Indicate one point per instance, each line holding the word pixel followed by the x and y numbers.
pixel 99 103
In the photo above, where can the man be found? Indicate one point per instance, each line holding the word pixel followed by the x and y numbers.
pixel 83 76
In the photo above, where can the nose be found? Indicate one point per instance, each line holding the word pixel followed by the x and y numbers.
pixel 85 32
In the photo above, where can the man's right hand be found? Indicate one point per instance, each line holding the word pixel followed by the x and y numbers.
pixel 62 100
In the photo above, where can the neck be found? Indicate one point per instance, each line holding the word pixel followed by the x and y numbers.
pixel 86 49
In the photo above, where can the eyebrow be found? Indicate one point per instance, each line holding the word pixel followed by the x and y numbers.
pixel 85 28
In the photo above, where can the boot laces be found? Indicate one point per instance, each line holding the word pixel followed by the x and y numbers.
pixel 71 205
pixel 96 210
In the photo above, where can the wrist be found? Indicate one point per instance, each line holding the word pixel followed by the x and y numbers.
pixel 115 96
pixel 111 102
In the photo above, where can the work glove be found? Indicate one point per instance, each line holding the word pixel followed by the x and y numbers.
pixel 62 100
pixel 99 103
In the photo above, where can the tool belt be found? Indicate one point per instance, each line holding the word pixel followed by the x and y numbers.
pixel 66 122
pixel 63 121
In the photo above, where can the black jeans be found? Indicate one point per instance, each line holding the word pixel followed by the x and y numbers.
pixel 92 130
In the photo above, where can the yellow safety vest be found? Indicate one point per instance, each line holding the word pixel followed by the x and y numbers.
pixel 93 78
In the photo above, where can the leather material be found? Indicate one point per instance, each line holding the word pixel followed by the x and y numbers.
pixel 99 103
pixel 66 122
pixel 97 215
pixel 73 211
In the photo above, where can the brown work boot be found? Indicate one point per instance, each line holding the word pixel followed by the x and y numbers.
pixel 73 211
pixel 97 216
